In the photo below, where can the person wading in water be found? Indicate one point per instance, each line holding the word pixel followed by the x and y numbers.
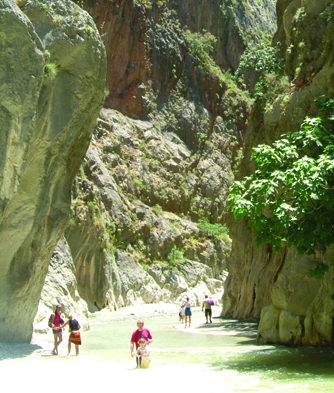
pixel 136 336
pixel 187 312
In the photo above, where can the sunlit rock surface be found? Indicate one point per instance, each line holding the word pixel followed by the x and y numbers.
pixel 60 287
pixel 147 50
pixel 52 72
pixel 129 237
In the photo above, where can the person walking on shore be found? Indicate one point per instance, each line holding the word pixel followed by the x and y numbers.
pixel 187 312
pixel 141 332
pixel 206 305
pixel 75 336
pixel 56 321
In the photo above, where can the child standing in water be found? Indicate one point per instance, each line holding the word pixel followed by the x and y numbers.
pixel 143 354
pixel 75 336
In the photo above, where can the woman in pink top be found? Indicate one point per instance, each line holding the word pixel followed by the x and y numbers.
pixel 56 321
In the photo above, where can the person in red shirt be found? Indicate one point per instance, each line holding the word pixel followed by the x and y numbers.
pixel 141 332
pixel 56 321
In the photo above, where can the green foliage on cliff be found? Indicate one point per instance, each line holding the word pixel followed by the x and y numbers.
pixel 212 230
pixel 290 196
pixel 263 59
pixel 51 70
pixel 201 46
pixel 145 3
pixel 175 256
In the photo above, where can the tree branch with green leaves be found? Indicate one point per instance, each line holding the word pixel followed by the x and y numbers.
pixel 289 199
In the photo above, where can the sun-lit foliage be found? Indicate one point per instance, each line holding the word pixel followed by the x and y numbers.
pixel 290 196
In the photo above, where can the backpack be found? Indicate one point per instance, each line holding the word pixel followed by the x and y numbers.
pixel 49 321
pixel 61 321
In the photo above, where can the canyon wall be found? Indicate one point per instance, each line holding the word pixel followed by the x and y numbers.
pixel 276 286
pixel 129 238
pixel 146 45
pixel 52 71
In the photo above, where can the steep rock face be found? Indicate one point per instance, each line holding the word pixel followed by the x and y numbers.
pixel 129 237
pixel 60 287
pixel 235 24
pixel 52 69
pixel 123 28
pixel 146 44
pixel 305 29
pixel 144 183
pixel 302 308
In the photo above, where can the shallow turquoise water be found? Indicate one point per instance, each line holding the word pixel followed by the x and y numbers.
pixel 231 354
pixel 223 357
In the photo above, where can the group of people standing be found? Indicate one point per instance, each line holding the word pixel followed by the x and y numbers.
pixel 58 324
pixel 140 339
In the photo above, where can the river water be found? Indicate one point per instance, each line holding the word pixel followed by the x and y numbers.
pixel 222 357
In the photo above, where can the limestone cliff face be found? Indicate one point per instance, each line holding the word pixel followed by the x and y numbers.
pixel 129 237
pixel 235 24
pixel 52 69
pixel 294 308
pixel 60 287
pixel 146 44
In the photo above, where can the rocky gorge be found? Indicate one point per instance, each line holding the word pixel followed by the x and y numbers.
pixel 148 218
pixel 149 202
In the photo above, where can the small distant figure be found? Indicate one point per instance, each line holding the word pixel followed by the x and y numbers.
pixel 206 305
pixel 56 321
pixel 75 336
pixel 181 312
pixel 143 354
pixel 141 332
pixel 187 312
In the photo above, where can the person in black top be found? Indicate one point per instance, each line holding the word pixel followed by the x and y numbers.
pixel 75 336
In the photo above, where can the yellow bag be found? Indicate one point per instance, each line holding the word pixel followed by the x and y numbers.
pixel 145 363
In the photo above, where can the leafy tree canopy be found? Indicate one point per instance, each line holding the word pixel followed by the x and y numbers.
pixel 290 196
